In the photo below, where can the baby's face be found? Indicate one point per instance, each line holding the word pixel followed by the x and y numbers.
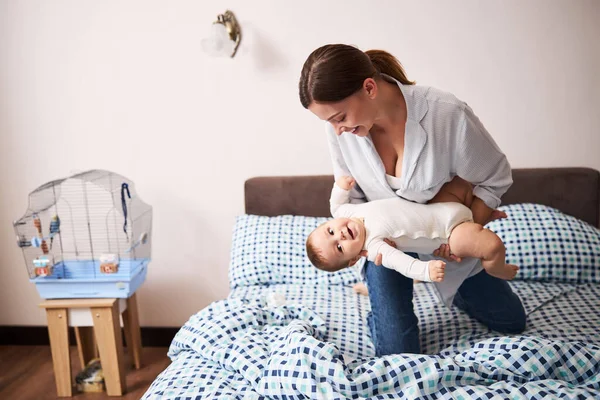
pixel 340 240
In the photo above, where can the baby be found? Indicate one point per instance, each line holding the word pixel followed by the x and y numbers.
pixel 361 230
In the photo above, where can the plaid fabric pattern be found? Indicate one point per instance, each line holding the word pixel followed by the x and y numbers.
pixel 317 346
pixel 271 250
pixel 548 245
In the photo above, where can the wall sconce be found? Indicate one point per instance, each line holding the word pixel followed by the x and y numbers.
pixel 225 36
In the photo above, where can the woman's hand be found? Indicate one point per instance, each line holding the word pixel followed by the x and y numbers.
pixel 444 252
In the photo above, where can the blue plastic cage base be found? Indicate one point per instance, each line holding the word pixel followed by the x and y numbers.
pixel 83 279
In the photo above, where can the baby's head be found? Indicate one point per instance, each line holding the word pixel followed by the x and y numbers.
pixel 336 244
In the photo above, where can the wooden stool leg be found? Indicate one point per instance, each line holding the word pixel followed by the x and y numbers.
pixel 108 334
pixel 86 344
pixel 58 329
pixel 128 339
pixel 131 323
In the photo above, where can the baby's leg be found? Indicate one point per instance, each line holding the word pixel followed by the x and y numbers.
pixel 457 191
pixel 460 191
pixel 472 240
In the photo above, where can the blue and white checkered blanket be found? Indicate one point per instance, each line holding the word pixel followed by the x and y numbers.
pixel 317 346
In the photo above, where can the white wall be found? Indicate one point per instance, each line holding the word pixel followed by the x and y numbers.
pixel 123 85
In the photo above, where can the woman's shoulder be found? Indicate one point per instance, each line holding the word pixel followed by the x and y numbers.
pixel 437 96
pixel 439 105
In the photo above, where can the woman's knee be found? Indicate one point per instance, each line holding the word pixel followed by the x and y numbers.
pixel 515 322
pixel 517 325
pixel 491 301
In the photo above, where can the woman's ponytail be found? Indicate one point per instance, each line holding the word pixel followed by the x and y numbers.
pixel 385 63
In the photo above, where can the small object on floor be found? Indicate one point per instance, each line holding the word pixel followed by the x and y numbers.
pixel 91 379
pixel 361 288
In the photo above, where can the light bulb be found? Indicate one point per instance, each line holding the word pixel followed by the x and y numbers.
pixel 218 43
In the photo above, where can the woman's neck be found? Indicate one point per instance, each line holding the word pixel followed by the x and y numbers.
pixel 392 106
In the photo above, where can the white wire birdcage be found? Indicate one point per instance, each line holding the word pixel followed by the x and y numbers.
pixel 88 235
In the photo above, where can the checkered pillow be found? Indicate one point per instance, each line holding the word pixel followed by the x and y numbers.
pixel 272 250
pixel 549 245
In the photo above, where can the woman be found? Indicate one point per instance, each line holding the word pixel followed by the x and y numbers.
pixel 398 139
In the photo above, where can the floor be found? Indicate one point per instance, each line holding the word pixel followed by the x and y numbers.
pixel 26 373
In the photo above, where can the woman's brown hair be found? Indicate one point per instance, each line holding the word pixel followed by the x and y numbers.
pixel 335 71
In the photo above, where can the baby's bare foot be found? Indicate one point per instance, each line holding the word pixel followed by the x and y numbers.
pixel 513 270
pixel 437 270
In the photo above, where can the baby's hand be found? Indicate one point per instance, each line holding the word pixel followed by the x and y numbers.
pixel 437 270
pixel 345 182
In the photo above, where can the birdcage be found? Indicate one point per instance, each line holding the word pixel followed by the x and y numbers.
pixel 85 236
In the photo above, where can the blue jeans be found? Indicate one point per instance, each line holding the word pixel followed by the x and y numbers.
pixel 393 322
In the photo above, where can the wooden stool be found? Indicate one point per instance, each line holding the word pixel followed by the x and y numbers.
pixel 107 329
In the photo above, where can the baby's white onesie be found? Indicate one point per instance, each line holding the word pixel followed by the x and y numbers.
pixel 414 227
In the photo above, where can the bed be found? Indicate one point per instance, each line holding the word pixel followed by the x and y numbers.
pixel 288 331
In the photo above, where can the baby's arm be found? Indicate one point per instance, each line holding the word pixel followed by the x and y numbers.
pixel 408 266
pixel 339 202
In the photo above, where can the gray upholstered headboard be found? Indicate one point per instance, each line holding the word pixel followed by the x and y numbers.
pixel 575 191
